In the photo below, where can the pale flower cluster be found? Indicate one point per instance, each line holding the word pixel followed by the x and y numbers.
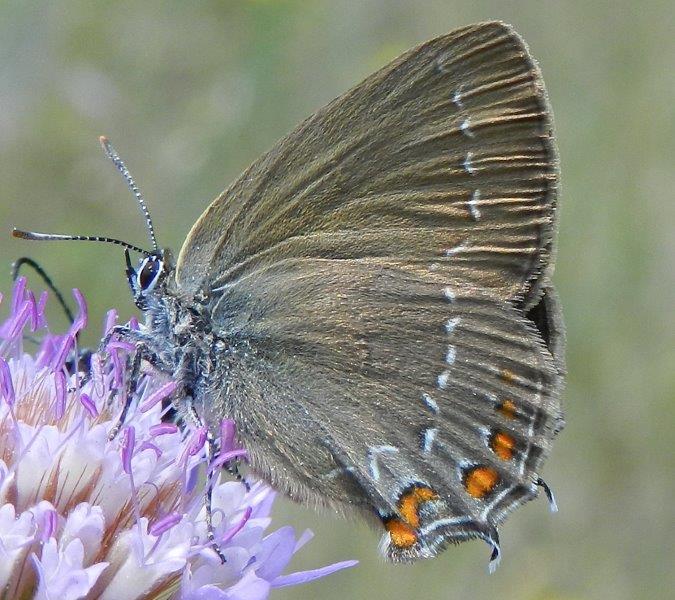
pixel 82 516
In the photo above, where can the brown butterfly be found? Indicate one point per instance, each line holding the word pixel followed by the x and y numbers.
pixel 371 301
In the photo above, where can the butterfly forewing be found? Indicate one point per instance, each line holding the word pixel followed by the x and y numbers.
pixel 444 157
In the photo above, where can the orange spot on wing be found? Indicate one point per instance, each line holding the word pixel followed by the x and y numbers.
pixel 508 409
pixel 402 531
pixel 480 481
pixel 503 445
pixel 425 494
pixel 508 376
pixel 408 506
pixel 409 503
pixel 402 534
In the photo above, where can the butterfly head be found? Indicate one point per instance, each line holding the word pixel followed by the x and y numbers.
pixel 148 279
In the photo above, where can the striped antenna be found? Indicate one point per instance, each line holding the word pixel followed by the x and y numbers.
pixel 51 237
pixel 122 168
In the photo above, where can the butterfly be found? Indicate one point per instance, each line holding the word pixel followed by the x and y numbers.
pixel 371 300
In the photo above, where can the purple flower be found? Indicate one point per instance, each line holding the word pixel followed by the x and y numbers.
pixel 82 516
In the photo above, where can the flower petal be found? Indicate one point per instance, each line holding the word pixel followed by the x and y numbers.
pixel 6 385
pixel 16 533
pixel 158 395
pixel 61 574
pixel 82 317
pixel 86 523
pixel 306 576
pixel 276 553
pixel 250 587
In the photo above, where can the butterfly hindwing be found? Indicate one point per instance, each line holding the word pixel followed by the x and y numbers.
pixel 415 399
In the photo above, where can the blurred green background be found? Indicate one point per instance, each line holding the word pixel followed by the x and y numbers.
pixel 192 92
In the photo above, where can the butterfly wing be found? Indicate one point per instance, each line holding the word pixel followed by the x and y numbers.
pixel 443 159
pixel 381 277
pixel 419 400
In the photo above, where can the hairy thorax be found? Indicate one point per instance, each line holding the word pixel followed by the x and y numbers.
pixel 184 346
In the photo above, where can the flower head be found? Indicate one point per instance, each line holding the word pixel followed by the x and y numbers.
pixel 84 516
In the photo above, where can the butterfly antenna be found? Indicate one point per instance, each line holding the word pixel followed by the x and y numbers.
pixel 122 168
pixel 50 237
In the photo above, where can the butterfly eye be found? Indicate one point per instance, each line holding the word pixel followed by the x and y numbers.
pixel 149 272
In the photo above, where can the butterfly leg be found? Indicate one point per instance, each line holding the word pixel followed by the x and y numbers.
pixel 25 260
pixel 208 499
pixel 142 353
pixel 211 454
pixel 80 357
pixel 124 333
pixel 209 446
pixel 232 468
